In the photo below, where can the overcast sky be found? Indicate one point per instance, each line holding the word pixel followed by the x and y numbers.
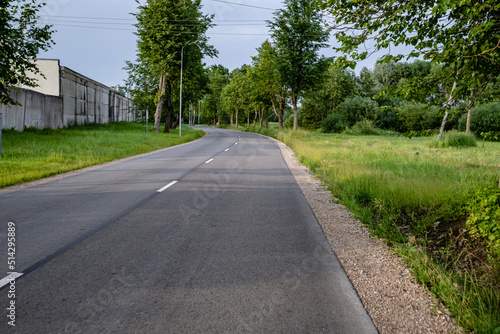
pixel 96 37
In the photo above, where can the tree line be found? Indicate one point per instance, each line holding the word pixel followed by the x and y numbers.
pixel 457 43
pixel 289 82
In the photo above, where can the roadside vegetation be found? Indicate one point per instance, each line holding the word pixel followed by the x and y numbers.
pixel 410 147
pixel 436 207
pixel 35 154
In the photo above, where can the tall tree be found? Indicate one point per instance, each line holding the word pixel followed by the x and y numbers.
pixel 21 39
pixel 324 98
pixel 463 36
pixel 299 34
pixel 166 28
pixel 235 95
pixel 142 87
pixel 265 77
pixel 218 77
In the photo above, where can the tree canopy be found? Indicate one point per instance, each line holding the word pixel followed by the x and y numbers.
pixel 462 35
pixel 21 39
pixel 298 34
pixel 168 30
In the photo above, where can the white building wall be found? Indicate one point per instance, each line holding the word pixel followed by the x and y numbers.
pixel 50 84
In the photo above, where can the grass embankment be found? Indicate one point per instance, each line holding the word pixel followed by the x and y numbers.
pixel 418 199
pixel 35 154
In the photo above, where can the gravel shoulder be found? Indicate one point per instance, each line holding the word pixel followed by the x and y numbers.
pixel 390 294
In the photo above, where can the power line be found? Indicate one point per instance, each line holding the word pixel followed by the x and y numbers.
pixel 173 32
pixel 91 27
pixel 134 20
pixel 57 21
pixel 85 17
pixel 245 5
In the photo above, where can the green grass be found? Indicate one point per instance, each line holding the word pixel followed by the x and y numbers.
pixel 35 154
pixel 415 197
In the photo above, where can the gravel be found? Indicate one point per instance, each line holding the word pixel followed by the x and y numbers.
pixel 387 288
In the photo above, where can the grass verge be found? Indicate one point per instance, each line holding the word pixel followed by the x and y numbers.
pixel 35 154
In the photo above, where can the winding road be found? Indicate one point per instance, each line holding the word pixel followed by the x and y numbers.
pixel 214 236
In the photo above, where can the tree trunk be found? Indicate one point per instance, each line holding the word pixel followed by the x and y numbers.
pixel 170 108
pixel 261 117
pixel 237 112
pixel 159 103
pixel 255 119
pixel 448 106
pixel 248 119
pixel 267 118
pixel 279 114
pixel 232 113
pixel 295 112
pixel 469 111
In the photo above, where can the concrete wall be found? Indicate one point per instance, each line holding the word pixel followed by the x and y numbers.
pixel 37 110
pixel 50 84
pixel 80 100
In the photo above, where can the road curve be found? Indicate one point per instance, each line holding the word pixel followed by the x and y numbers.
pixel 211 237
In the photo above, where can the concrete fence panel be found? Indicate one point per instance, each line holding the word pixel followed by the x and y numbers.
pixel 81 100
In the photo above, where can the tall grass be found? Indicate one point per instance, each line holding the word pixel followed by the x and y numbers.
pixel 475 306
pixel 35 154
pixel 405 190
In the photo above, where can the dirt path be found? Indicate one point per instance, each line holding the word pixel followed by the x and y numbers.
pixel 396 303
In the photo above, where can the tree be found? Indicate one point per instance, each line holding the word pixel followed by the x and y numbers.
pixel 142 87
pixel 166 28
pixel 336 86
pixel 265 77
pixel 366 83
pixel 463 36
pixel 298 35
pixel 21 39
pixel 218 77
pixel 235 95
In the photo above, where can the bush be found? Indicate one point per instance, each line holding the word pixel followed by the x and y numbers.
pixel 484 218
pixel 454 139
pixel 388 114
pixel 491 136
pixel 364 127
pixel 358 108
pixel 484 118
pixel 417 117
pixel 288 122
pixel 333 123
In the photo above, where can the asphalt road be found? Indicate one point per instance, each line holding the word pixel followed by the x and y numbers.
pixel 214 236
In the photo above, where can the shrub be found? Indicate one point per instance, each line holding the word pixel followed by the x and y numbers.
pixel 491 135
pixel 417 117
pixel 454 139
pixel 358 108
pixel 484 118
pixel 484 218
pixel 288 122
pixel 364 127
pixel 333 123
